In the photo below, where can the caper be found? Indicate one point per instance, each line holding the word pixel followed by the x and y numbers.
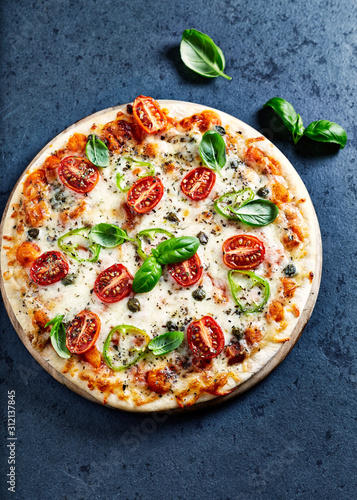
pixel 203 238
pixel 68 280
pixel 172 217
pixel 133 305
pixel 171 326
pixel 220 130
pixel 238 332
pixel 90 137
pixel 33 233
pixel 289 270
pixel 199 294
pixel 263 192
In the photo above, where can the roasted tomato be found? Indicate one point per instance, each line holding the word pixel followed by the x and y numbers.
pixel 27 253
pixel 78 173
pixel 198 183
pixel 188 272
pixel 235 353
pixel 148 115
pixel 113 284
pixel 243 252
pixel 145 194
pixel 159 380
pixel 49 268
pixel 82 332
pixel 205 338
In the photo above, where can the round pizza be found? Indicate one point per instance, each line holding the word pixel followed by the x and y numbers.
pixel 158 255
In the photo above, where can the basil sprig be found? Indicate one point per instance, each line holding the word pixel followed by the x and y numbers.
pixel 288 116
pixel 319 131
pixel 176 249
pixel 200 53
pixel 167 342
pixel 213 150
pixel 108 235
pixel 147 276
pixel 257 212
pixel 58 336
pixel 167 252
pixel 97 152
pixel 325 131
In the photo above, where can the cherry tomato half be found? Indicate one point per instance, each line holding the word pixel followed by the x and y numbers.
pixel 78 173
pixel 198 183
pixel 188 272
pixel 205 338
pixel 82 332
pixel 148 115
pixel 49 268
pixel 243 252
pixel 145 194
pixel 113 284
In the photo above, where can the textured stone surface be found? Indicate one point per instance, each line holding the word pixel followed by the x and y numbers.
pixel 292 436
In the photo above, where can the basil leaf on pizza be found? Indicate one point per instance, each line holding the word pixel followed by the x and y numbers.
pixel 257 212
pixel 326 131
pixel 165 343
pixel 213 150
pixel 97 152
pixel 176 249
pixel 147 276
pixel 200 53
pixel 58 336
pixel 108 235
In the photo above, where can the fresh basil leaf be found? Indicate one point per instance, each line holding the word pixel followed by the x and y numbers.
pixel 213 150
pixel 97 152
pixel 147 276
pixel 257 212
pixel 176 249
pixel 58 336
pixel 326 131
pixel 284 110
pixel 108 235
pixel 298 130
pixel 167 342
pixel 55 320
pixel 200 53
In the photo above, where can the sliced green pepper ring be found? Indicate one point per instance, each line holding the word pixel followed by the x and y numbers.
pixel 250 291
pixel 150 234
pixel 233 200
pixel 121 177
pixel 124 346
pixel 71 249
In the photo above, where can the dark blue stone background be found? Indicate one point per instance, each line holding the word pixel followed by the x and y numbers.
pixel 294 435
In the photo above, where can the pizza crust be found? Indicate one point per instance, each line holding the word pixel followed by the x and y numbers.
pixel 253 365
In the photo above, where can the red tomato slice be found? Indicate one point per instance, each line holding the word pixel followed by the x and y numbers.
pixel 188 272
pixel 49 268
pixel 78 173
pixel 148 115
pixel 113 284
pixel 205 338
pixel 145 194
pixel 82 332
pixel 198 183
pixel 243 252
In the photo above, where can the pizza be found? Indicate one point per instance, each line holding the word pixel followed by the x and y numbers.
pixel 158 255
